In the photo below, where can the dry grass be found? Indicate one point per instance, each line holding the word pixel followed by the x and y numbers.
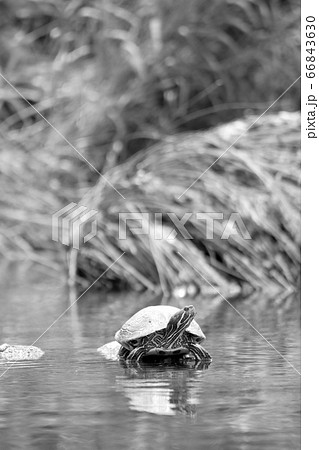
pixel 258 177
pixel 118 77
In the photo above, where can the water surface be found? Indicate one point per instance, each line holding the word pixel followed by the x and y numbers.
pixel 72 398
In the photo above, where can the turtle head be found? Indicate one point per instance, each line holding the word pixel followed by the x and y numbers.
pixel 183 317
pixel 179 322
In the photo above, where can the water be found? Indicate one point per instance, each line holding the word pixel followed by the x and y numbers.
pixel 72 398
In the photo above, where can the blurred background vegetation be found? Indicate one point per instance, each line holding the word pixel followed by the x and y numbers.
pixel 118 78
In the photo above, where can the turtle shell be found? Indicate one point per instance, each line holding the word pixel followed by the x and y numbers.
pixel 151 319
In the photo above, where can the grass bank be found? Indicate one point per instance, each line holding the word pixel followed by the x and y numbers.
pixel 259 178
pixel 117 79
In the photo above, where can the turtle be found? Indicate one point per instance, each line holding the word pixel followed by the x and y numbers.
pixel 20 352
pixel 161 330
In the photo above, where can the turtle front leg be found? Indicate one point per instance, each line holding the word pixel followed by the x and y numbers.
pixel 199 352
pixel 136 354
pixel 123 353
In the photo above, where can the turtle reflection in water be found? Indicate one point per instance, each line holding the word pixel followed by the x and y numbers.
pixel 161 331
pixel 167 389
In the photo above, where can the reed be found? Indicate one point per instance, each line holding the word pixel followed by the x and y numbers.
pixel 258 177
pixel 119 78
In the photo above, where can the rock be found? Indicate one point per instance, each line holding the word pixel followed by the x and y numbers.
pixel 110 350
pixel 20 352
